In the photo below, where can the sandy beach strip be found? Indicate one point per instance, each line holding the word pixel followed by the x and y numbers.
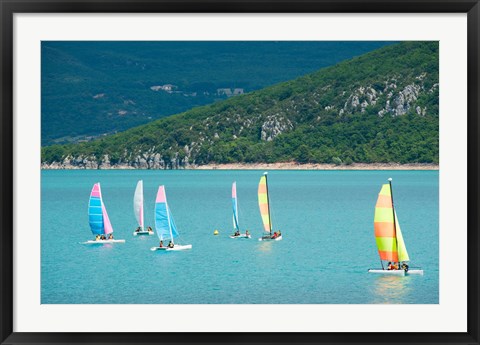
pixel 308 166
pixel 260 166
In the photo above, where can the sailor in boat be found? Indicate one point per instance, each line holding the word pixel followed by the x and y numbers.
pixel 392 266
pixel 395 266
pixel 161 244
pixel 275 235
pixel 237 233
pixel 150 229
pixel 97 238
pixel 170 244
pixel 138 229
pixel 247 233
pixel 102 237
pixel 110 237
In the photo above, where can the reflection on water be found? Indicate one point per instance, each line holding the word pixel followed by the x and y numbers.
pixel 265 246
pixel 98 246
pixel 391 289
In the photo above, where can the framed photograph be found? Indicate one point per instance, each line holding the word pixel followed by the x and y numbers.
pixel 232 171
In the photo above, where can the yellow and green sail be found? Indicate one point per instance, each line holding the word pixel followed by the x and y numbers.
pixel 388 234
pixel 263 204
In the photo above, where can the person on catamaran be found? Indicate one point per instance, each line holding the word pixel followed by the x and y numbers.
pixel 110 237
pixel 97 237
pixel 102 237
pixel 170 244
pixel 138 229
pixel 247 233
pixel 150 229
pixel 161 244
pixel 392 266
pixel 237 233
pixel 405 267
pixel 279 233
pixel 275 235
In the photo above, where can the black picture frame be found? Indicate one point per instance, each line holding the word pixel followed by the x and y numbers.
pixel 10 7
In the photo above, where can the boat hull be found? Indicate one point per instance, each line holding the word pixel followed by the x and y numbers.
pixel 388 272
pixel 414 272
pixel 410 272
pixel 241 236
pixel 177 247
pixel 103 241
pixel 139 233
pixel 279 238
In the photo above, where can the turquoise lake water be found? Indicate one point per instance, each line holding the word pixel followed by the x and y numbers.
pixel 326 218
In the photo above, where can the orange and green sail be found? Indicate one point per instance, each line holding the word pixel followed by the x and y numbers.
pixel 388 234
pixel 263 204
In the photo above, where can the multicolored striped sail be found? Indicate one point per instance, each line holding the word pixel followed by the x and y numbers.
pixel 388 234
pixel 97 213
pixel 235 206
pixel 138 204
pixel 164 223
pixel 263 203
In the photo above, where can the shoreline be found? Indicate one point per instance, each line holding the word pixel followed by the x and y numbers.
pixel 266 166
pixel 311 166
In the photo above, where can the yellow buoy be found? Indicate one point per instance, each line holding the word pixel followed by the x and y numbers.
pixel 215 232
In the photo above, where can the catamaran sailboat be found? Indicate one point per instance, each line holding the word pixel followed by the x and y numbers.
pixel 165 225
pixel 264 204
pixel 138 210
pixel 236 227
pixel 98 219
pixel 388 235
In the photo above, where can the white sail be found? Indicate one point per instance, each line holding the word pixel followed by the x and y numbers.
pixel 235 207
pixel 138 204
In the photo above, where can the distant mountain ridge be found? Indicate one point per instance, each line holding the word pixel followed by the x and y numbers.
pixel 90 89
pixel 380 107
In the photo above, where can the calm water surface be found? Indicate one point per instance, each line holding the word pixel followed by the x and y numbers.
pixel 326 218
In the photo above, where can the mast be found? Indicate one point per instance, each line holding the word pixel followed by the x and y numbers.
pixel 236 226
pixel 107 225
pixel 394 220
pixel 268 203
pixel 138 204
pixel 168 217
pixel 101 205
pixel 141 206
pixel 236 209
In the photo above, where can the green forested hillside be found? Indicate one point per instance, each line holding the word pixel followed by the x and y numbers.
pixel 93 88
pixel 379 107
